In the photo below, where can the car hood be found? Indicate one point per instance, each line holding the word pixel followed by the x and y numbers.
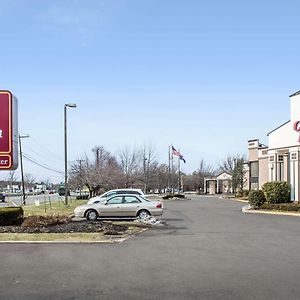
pixel 97 198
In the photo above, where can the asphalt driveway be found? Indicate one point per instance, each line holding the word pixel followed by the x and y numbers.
pixel 209 250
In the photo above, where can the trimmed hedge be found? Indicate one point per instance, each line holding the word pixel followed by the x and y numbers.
pixel 293 207
pixel 179 196
pixel 83 197
pixel 173 196
pixel 11 216
pixel 256 198
pixel 277 192
pixel 241 193
pixel 245 193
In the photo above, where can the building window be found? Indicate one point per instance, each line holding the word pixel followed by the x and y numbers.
pixel 254 175
pixel 253 186
pixel 294 156
pixel 254 169
pixel 280 168
pixel 272 158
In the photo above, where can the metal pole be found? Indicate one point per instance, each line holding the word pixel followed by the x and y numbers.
pixel 178 172
pixel 22 173
pixel 145 175
pixel 172 173
pixel 169 169
pixel 66 156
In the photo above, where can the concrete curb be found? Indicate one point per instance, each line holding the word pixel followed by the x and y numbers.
pixel 234 199
pixel 113 241
pixel 278 213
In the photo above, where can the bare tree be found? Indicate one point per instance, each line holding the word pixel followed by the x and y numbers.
pixel 234 165
pixel 149 165
pixel 29 180
pixel 99 174
pixel 129 160
pixel 195 181
pixel 12 178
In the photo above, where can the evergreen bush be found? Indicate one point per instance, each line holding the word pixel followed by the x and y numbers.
pixel 245 193
pixel 11 216
pixel 277 191
pixel 179 196
pixel 256 198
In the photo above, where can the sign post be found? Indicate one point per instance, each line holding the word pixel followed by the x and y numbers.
pixel 8 131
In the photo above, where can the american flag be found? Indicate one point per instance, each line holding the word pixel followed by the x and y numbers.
pixel 177 153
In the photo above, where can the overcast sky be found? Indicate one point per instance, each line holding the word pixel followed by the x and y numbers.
pixel 205 76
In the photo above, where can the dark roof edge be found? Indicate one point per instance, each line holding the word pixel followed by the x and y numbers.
pixel 295 94
pixel 278 127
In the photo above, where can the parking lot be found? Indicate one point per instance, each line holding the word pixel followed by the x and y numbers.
pixel 208 250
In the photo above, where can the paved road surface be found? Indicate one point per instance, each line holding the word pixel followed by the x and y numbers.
pixel 210 251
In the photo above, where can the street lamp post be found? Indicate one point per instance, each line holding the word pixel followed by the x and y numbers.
pixel 73 105
pixel 21 163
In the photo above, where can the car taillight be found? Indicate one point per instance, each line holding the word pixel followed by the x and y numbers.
pixel 158 205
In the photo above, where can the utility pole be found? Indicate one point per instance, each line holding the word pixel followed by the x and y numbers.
pixel 66 150
pixel 169 169
pixel 179 180
pixel 21 162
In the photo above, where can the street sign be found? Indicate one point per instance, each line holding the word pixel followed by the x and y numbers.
pixel 8 131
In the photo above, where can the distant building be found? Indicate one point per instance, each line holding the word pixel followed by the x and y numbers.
pixel 279 161
pixel 221 184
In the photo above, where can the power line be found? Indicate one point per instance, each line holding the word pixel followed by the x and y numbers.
pixel 46 149
pixel 26 156
pixel 43 156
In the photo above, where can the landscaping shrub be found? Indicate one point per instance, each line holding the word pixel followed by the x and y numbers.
pixel 179 196
pixel 44 221
pixel 82 197
pixel 11 216
pixel 245 193
pixel 277 192
pixel 256 198
pixel 239 194
pixel 293 207
pixel 166 197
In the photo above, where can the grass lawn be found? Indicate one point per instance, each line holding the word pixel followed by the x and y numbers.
pixel 78 237
pixel 59 208
pixel 52 208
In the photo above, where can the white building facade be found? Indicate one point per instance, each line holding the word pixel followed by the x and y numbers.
pixel 279 161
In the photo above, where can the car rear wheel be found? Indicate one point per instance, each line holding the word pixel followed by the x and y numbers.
pixel 143 214
pixel 91 215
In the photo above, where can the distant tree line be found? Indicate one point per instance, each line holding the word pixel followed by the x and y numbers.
pixel 135 167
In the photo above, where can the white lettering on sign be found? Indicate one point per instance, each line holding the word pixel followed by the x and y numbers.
pixel 4 162
pixel 1 133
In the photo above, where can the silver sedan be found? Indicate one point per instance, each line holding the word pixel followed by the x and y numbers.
pixel 120 206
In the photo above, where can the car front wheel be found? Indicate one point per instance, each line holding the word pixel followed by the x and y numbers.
pixel 91 215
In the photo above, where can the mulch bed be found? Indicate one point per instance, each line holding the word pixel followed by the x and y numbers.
pixel 69 227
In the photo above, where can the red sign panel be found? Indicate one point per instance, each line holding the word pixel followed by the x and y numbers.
pixel 5 161
pixel 8 131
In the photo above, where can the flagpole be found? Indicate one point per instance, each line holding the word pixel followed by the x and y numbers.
pixel 172 171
